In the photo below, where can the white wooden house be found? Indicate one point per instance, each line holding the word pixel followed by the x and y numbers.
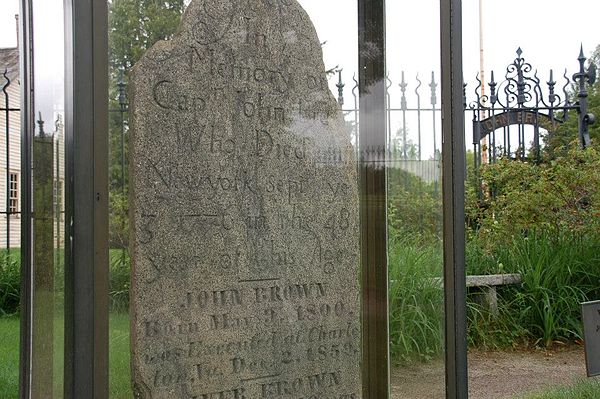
pixel 10 166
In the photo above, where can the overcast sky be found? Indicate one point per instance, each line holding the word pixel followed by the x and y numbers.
pixel 549 32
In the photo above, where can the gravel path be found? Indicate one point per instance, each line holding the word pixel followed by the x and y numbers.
pixel 494 375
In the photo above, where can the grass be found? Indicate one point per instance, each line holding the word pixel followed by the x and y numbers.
pixel 119 377
pixel 416 300
pixel 9 357
pixel 119 370
pixel 559 272
pixel 583 389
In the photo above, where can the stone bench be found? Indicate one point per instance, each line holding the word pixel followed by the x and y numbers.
pixel 487 285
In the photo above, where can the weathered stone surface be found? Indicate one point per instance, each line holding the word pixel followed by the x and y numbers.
pixel 244 212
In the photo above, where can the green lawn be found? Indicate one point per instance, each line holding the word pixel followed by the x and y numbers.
pixel 119 377
pixel 584 389
pixel 119 357
pixel 9 357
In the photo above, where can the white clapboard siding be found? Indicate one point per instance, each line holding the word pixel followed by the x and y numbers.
pixel 14 166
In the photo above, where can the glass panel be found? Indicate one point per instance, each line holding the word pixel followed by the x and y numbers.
pixel 48 208
pixel 9 201
pixel 318 314
pixel 531 224
pixel 415 200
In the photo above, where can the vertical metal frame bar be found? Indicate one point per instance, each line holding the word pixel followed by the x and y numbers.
pixel 86 205
pixel 453 156
pixel 373 201
pixel 27 129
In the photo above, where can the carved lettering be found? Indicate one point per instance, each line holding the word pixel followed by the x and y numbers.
pixel 226 321
pixel 293 292
pixel 153 329
pixel 214 299
pixel 168 96
pixel 259 108
pixel 237 393
pixel 266 146
pixel 310 383
pixel 227 67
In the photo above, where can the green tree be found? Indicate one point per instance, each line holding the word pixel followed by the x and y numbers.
pixel 134 27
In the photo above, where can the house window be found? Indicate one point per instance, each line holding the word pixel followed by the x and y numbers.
pixel 57 197
pixel 13 193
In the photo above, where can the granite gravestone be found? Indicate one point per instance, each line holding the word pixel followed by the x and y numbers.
pixel 591 328
pixel 244 211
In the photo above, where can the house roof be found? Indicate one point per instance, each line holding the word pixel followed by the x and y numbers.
pixel 9 62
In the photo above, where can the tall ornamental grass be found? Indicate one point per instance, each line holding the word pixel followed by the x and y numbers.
pixel 559 272
pixel 416 299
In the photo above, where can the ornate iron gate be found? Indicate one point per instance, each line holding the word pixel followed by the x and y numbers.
pixel 520 100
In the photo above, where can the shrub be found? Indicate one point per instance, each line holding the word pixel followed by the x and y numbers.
pixel 542 221
pixel 556 197
pixel 415 206
pixel 10 284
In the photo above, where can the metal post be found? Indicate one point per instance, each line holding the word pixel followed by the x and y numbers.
pixel 86 205
pixel 585 119
pixel 355 96
pixel 403 105
pixel 122 109
pixel 7 171
pixel 433 85
pixel 27 128
pixel 373 201
pixel 419 117
pixel 59 194
pixel 453 151
pixel 43 266
pixel 482 114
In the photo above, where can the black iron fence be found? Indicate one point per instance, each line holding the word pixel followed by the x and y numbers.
pixel 50 162
pixel 500 121
pixel 9 123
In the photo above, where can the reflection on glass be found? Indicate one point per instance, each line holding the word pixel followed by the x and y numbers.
pixel 10 205
pixel 529 237
pixel 48 202
pixel 415 200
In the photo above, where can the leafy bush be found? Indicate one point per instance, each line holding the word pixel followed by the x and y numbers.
pixel 10 281
pixel 415 206
pixel 542 221
pixel 10 284
pixel 557 197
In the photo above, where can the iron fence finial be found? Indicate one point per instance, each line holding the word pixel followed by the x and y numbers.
pixel 403 85
pixel 433 86
pixel 41 125
pixel 340 85
pixel 581 57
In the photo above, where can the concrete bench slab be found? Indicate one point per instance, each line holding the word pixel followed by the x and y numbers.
pixel 487 283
